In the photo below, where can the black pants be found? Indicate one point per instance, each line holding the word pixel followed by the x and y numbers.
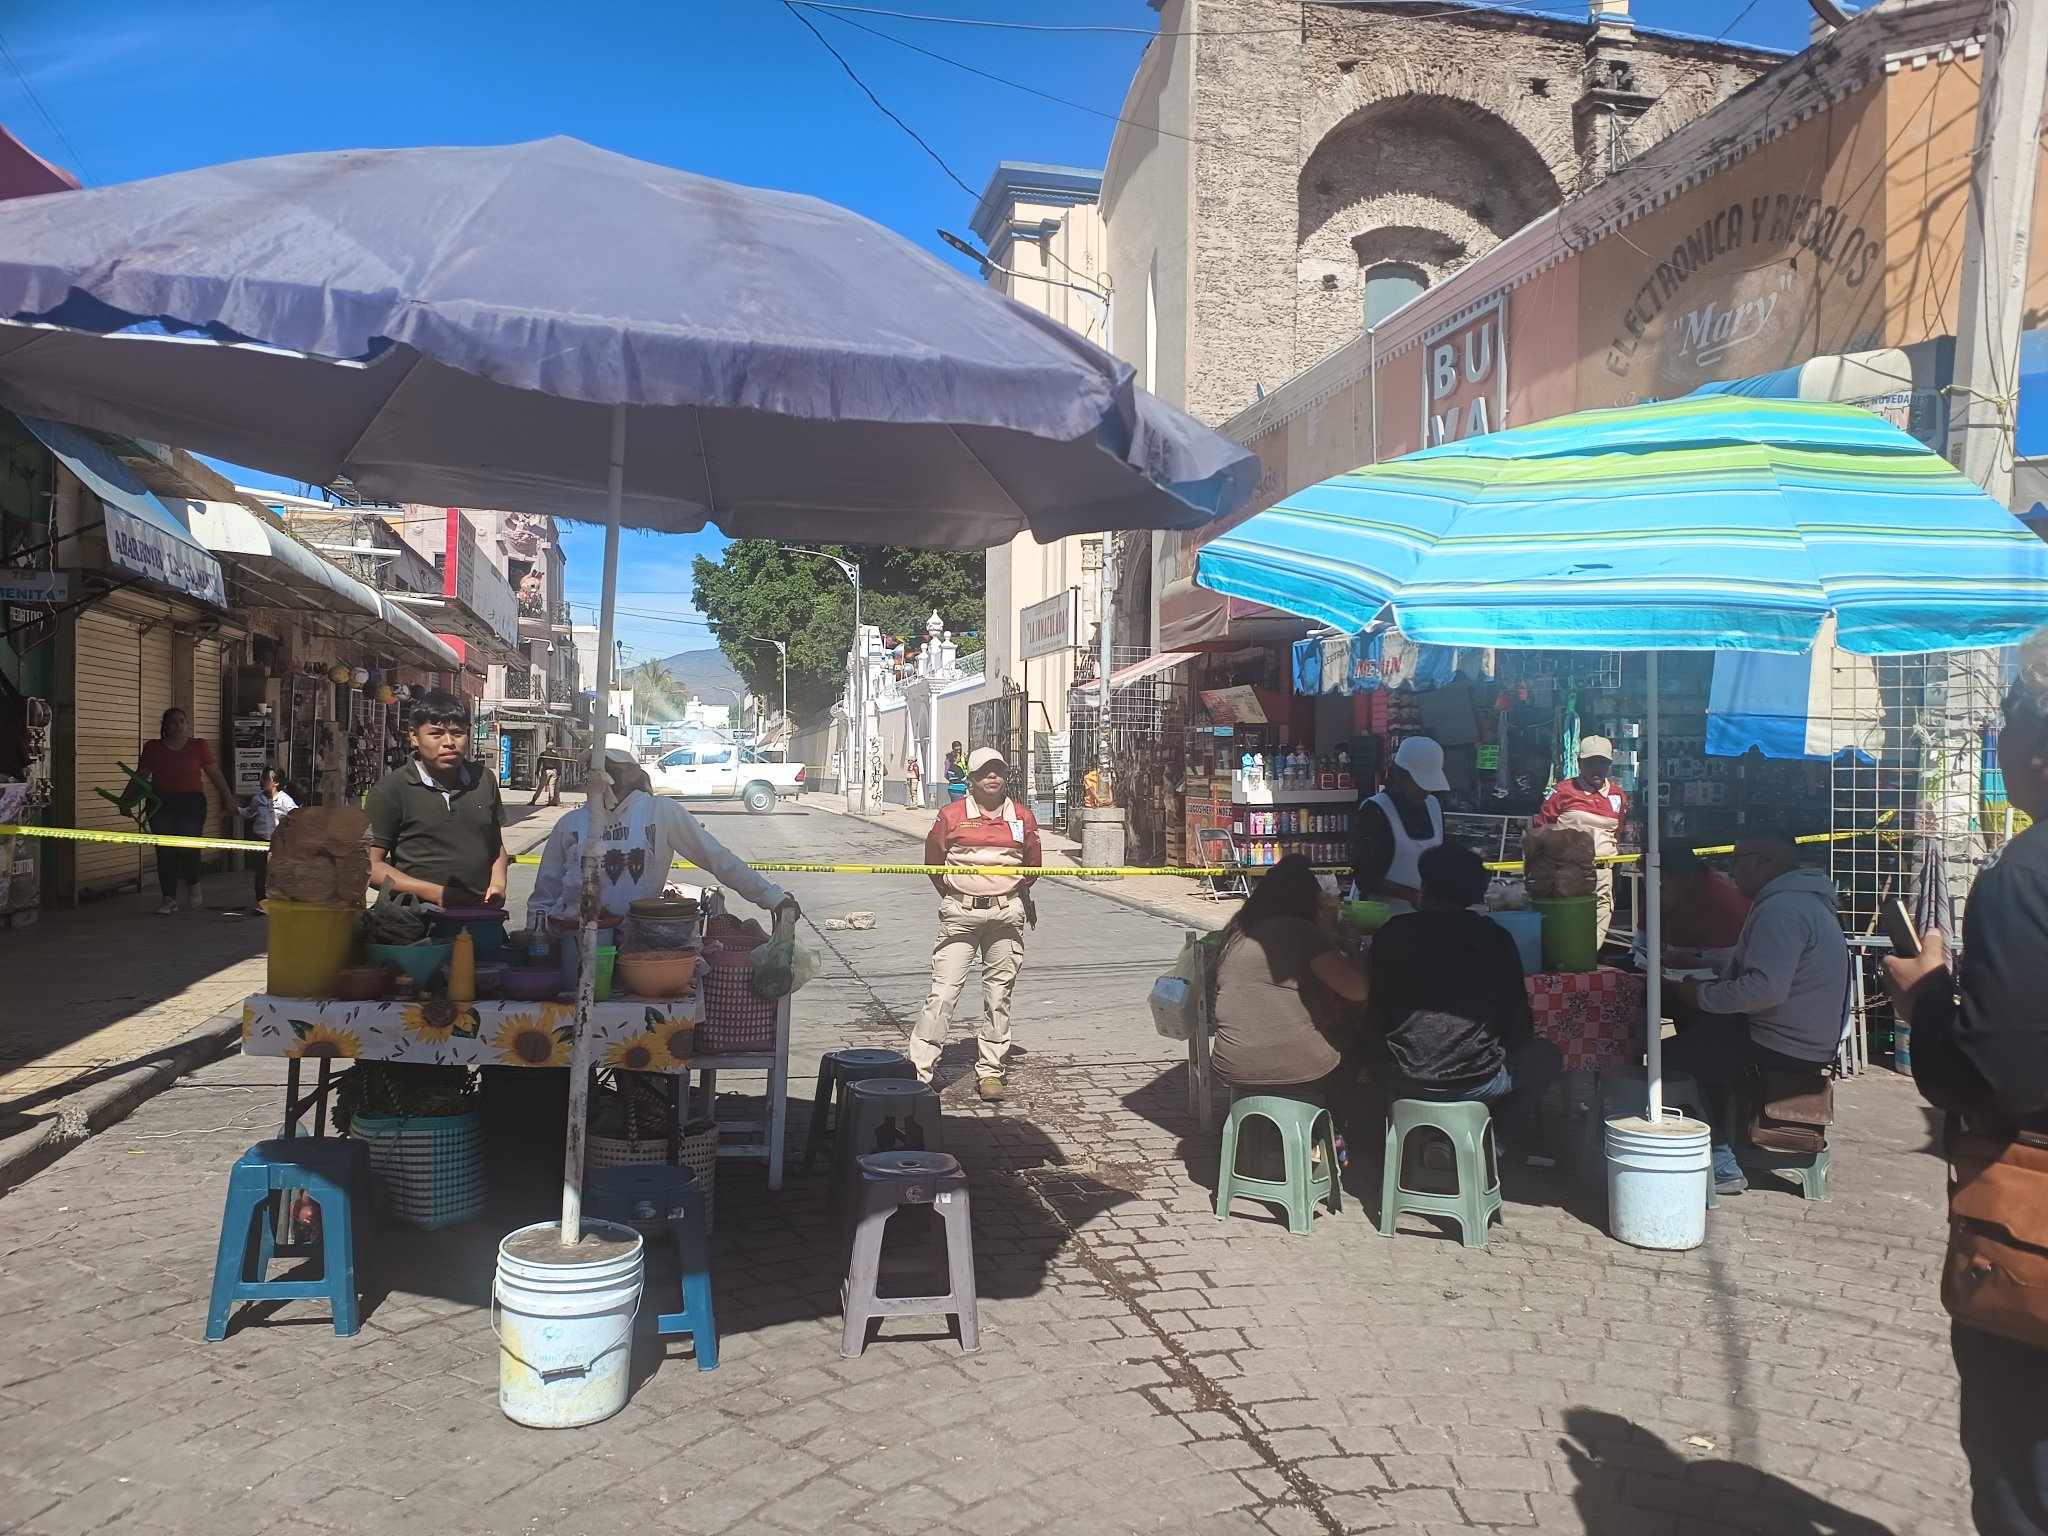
pixel 1719 1053
pixel 178 816
pixel 259 866
pixel 2005 1431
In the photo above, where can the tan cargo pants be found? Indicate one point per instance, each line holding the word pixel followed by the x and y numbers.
pixel 996 935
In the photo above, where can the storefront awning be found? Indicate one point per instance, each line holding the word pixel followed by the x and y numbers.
pixel 144 537
pixel 1123 677
pixel 277 571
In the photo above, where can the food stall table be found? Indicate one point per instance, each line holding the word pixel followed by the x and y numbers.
pixel 1594 1018
pixel 629 1034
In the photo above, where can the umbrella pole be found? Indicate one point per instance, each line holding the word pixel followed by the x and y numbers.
pixel 586 974
pixel 1653 910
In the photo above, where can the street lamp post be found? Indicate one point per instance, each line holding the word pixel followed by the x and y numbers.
pixel 858 796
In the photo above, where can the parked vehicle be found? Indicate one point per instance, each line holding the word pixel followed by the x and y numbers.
pixel 723 771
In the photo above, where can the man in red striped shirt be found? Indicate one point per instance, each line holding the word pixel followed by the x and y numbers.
pixel 1592 802
pixel 984 841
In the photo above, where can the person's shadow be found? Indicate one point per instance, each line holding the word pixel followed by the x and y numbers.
pixel 1628 1477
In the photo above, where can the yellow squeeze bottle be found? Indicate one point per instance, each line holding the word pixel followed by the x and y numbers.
pixel 462 969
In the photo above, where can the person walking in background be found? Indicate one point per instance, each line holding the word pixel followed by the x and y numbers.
pixel 179 766
pixel 913 776
pixel 1980 1052
pixel 956 772
pixel 986 841
pixel 1395 827
pixel 1593 803
pixel 266 808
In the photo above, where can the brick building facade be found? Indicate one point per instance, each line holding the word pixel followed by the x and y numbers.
pixel 1314 167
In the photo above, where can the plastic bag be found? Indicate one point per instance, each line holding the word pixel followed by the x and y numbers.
pixel 1176 997
pixel 781 966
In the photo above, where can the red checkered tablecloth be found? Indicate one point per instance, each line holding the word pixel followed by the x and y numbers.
pixel 1594 1017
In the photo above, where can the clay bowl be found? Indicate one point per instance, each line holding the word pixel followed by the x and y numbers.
pixel 658 972
pixel 532 983
pixel 362 983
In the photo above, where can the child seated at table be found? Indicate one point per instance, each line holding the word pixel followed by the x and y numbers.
pixel 1445 994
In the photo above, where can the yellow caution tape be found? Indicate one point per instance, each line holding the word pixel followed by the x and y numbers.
pixel 1113 872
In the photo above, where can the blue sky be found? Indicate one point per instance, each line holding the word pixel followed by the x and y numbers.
pixel 731 88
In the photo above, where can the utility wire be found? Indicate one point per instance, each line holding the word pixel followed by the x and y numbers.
pixel 1033 26
pixel 1739 15
pixel 880 106
pixel 62 138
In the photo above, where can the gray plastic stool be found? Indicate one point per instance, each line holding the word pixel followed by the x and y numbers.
pixel 838 1071
pixel 883 1114
pixel 888 1182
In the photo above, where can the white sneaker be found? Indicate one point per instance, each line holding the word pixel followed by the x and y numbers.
pixel 168 909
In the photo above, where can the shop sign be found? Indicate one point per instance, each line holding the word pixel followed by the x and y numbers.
pixel 34 587
pixel 1234 706
pixel 469 577
pixel 1049 626
pixel 1465 375
pixel 144 549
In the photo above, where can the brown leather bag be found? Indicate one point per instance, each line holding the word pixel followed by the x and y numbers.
pixel 1794 1111
pixel 1996 1275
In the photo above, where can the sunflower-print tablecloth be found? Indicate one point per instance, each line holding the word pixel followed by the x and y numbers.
pixel 634 1033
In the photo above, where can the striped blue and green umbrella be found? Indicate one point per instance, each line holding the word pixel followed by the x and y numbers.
pixel 1712 522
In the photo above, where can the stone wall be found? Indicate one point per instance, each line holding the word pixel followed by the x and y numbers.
pixel 1365 136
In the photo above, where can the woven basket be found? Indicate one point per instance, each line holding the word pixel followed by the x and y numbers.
pixel 700 1156
pixel 427 1171
pixel 736 1022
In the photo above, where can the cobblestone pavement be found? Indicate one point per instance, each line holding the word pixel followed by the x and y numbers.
pixel 97 989
pixel 1143 1365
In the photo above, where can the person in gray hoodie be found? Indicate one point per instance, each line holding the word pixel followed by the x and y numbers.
pixel 1780 998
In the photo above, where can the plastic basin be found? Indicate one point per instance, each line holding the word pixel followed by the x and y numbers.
pixel 422 962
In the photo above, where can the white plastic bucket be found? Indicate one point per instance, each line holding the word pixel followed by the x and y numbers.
pixel 1657 1174
pixel 565 1327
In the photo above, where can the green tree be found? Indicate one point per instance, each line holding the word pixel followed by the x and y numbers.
pixel 657 696
pixel 759 588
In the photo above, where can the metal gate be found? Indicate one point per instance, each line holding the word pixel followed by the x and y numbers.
pixel 1146 749
pixel 1004 723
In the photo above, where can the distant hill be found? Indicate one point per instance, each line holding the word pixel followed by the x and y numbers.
pixel 707 674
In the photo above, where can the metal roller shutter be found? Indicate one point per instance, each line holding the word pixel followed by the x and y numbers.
pixel 111 707
pixel 207 722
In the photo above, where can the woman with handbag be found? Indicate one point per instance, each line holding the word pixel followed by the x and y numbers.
pixel 1980 1051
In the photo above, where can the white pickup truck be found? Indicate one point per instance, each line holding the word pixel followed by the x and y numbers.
pixel 723 771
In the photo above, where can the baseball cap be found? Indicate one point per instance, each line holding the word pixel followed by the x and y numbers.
pixel 1595 746
pixel 981 757
pixel 621 756
pixel 1423 761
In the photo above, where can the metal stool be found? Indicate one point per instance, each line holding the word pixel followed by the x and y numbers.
pixel 883 1114
pixel 888 1182
pixel 657 1194
pixel 838 1071
pixel 335 1172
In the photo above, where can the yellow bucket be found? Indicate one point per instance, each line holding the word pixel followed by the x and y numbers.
pixel 310 941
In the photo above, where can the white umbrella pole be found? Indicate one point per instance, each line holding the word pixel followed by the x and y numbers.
pixel 586 974
pixel 1653 908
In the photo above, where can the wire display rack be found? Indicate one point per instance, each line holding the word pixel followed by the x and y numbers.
pixel 1142 733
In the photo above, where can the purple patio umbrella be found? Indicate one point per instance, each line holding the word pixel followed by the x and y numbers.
pixel 556 328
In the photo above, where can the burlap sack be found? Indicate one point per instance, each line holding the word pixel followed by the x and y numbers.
pixel 1558 861
pixel 318 854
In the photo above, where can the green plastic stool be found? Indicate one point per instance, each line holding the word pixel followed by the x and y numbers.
pixel 1808 1169
pixel 1302 1127
pixel 1469 1128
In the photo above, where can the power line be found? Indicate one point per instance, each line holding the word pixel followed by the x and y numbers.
pixel 1739 15
pixel 62 138
pixel 1033 26
pixel 937 158
pixel 1032 90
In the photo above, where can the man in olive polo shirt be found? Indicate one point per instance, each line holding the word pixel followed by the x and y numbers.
pixel 437 826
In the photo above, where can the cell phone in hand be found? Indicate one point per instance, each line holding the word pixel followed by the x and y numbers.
pixel 1899 927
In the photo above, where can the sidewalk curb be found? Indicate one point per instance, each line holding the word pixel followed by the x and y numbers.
pixel 1106 889
pixel 82 1115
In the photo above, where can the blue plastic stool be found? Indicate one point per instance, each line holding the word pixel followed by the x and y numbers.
pixel 656 1193
pixel 334 1170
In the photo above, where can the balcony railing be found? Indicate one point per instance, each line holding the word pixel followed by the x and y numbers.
pixel 560 692
pixel 519 683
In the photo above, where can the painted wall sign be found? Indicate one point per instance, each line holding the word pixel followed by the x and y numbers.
pixel 1049 626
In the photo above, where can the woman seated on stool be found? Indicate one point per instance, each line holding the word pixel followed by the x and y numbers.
pixel 1449 1000
pixel 1287 996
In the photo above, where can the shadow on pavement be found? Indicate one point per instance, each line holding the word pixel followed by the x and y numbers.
pixel 1629 1481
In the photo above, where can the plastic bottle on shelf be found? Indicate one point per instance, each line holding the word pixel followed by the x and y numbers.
pixel 1258 768
pixel 1344 768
